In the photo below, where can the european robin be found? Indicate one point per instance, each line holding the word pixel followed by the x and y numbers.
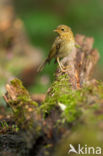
pixel 62 46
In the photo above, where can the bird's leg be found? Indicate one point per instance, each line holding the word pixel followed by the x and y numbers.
pixel 66 67
pixel 61 65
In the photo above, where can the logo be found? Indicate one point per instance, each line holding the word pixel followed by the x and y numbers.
pixel 84 150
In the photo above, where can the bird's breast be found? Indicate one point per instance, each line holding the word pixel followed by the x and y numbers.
pixel 65 48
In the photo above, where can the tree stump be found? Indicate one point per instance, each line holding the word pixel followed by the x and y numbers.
pixel 71 112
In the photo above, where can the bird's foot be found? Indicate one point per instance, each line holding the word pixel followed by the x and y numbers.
pixel 64 68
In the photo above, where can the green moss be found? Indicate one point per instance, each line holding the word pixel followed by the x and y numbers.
pixel 70 100
pixel 22 105
pixel 74 101
pixel 54 93
pixel 19 87
pixel 61 93
pixel 22 93
pixel 17 82
pixel 5 127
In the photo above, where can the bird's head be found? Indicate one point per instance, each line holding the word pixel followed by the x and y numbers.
pixel 62 29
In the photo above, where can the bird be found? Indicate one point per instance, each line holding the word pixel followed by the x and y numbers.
pixel 62 46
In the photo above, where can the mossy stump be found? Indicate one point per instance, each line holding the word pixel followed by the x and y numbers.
pixel 19 100
pixel 73 104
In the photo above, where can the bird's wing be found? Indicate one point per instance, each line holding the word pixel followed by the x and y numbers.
pixel 55 48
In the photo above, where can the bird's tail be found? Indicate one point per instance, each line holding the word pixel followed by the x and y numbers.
pixel 40 68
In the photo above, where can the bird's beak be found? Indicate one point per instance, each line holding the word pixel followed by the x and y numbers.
pixel 55 30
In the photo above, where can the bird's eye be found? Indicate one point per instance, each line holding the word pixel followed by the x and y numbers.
pixel 62 29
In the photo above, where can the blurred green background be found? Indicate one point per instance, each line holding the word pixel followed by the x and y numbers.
pixel 40 17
